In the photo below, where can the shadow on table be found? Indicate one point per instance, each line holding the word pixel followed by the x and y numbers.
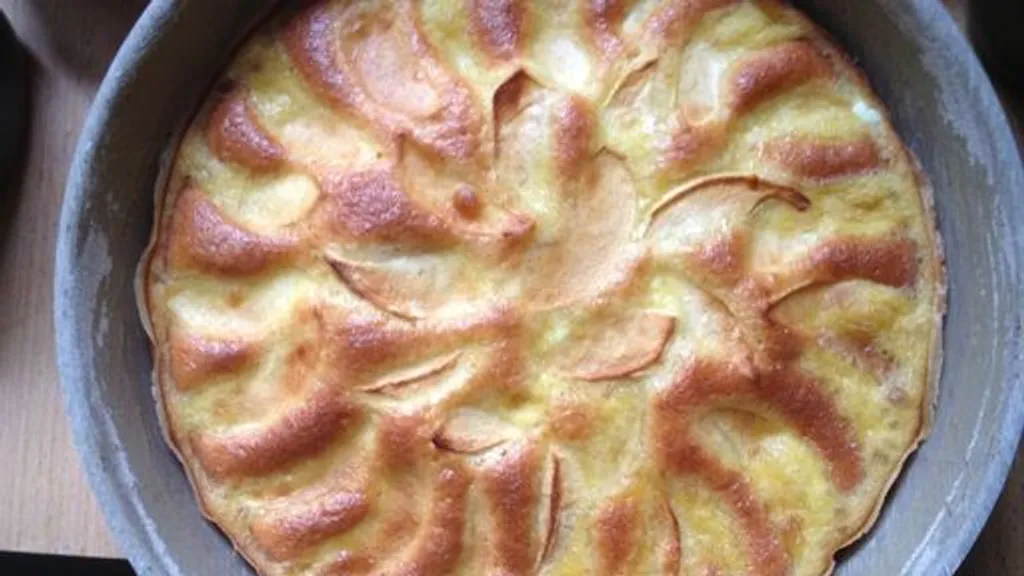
pixel 85 34
pixel 15 83
pixel 83 37
pixel 33 564
pixel 1004 534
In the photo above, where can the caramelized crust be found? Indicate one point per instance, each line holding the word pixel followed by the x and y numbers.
pixel 298 433
pixel 514 288
pixel 574 127
pixel 373 205
pixel 386 73
pixel 497 25
pixel 604 19
pixel 892 262
pixel 821 161
pixel 437 548
pixel 236 135
pixel 202 238
pixel 616 533
pixel 800 400
pixel 689 145
pixel 772 71
pixel 674 19
pixel 195 360
pixel 512 488
pixel 286 533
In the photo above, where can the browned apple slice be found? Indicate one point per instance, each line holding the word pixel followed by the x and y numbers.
pixel 846 319
pixel 672 546
pixel 622 346
pixel 469 431
pixel 768 73
pixel 438 543
pixel 400 381
pixel 375 62
pixel 202 237
pixel 551 519
pixel 297 526
pixel 889 260
pixel 235 134
pixel 583 200
pixel 809 158
pixel 592 252
pixel 299 432
pixel 196 360
pixel 476 211
pixel 411 287
pixel 696 209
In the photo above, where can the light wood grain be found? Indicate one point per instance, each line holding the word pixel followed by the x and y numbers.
pixel 45 504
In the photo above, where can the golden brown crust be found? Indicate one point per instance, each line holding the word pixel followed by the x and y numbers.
pixel 810 412
pixel 512 488
pixel 616 535
pixel 438 545
pixel 694 244
pixel 195 360
pixel 892 262
pixel 498 25
pixel 235 135
pixel 824 160
pixel 387 74
pixel 375 206
pixel 574 127
pixel 284 534
pixel 298 433
pixel 690 145
pixel 770 72
pixel 604 19
pixel 680 455
pixel 202 238
pixel 674 18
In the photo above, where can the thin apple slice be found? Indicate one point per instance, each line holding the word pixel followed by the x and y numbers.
pixel 396 383
pixel 470 431
pixel 622 346
pixel 672 545
pixel 707 207
pixel 552 516
pixel 411 288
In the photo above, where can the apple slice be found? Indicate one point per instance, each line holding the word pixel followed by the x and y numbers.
pixel 622 346
pixel 396 383
pixel 470 431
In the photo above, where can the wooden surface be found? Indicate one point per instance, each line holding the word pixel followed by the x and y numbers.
pixel 45 504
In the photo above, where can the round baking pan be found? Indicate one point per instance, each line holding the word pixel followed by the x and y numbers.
pixel 915 57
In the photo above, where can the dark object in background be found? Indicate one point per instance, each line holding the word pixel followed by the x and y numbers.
pixel 13 96
pixel 14 564
pixel 995 29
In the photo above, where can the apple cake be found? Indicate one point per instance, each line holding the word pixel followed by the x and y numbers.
pixel 515 287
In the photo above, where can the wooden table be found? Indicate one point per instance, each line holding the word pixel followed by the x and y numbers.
pixel 45 504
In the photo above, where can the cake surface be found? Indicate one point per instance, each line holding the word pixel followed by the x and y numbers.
pixel 510 287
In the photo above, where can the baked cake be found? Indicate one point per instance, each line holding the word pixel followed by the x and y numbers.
pixel 510 287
